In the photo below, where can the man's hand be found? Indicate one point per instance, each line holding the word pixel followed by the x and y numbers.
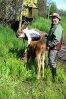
pixel 47 48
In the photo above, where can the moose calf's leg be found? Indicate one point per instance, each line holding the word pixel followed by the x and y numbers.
pixel 42 63
pixel 39 66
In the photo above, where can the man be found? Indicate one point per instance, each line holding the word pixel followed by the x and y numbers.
pixel 31 34
pixel 28 34
pixel 54 41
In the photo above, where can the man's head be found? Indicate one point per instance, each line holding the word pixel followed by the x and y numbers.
pixel 55 18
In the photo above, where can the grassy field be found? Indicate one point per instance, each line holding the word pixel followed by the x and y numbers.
pixel 18 82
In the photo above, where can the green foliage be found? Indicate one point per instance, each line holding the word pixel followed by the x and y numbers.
pixel 2 8
pixel 9 50
pixel 62 12
pixel 42 24
pixel 53 8
pixel 63 21
pixel 42 8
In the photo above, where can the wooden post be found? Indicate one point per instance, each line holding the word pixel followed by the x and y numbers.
pixel 20 21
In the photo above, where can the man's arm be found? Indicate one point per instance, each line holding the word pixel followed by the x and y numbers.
pixel 57 36
pixel 28 37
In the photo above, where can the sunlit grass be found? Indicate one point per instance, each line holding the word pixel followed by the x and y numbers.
pixel 42 24
pixel 63 21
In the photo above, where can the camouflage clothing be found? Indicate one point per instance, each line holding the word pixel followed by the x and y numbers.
pixel 55 35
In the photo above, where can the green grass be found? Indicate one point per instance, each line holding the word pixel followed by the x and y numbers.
pixel 63 21
pixel 42 24
pixel 16 82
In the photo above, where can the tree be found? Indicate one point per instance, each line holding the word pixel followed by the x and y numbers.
pixel 42 7
pixel 48 7
pixel 2 8
pixel 53 8
pixel 62 12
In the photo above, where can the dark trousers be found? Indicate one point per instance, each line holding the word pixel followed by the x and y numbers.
pixel 52 58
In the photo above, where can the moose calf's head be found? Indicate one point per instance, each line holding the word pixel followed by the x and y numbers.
pixel 20 33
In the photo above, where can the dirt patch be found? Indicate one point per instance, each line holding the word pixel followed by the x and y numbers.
pixel 62 52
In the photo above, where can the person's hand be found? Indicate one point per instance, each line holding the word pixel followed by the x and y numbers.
pixel 27 45
pixel 47 48
pixel 55 47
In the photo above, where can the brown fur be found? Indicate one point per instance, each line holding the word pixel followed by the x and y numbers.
pixel 37 50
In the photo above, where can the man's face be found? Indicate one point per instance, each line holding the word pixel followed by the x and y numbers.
pixel 55 20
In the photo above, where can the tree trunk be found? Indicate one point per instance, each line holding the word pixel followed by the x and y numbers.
pixel 20 21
